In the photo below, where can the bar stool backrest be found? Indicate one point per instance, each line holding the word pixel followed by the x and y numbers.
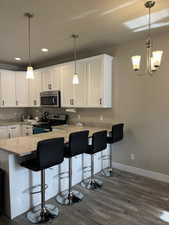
pixel 117 132
pixel 78 142
pixel 50 152
pixel 99 141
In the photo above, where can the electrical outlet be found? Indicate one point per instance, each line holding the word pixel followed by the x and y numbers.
pixel 132 156
pixel 101 117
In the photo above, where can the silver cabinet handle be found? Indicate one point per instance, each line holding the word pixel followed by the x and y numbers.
pixel 16 102
pixel 100 100
pixel 3 102
pixel 72 101
pixel 49 86
pixel 35 102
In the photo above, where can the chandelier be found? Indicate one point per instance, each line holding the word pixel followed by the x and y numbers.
pixel 153 57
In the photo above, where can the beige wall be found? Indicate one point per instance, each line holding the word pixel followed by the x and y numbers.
pixel 142 102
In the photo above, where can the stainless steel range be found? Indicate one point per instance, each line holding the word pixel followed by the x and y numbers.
pixel 47 121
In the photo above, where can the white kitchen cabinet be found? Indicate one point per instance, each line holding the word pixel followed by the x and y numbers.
pixel 27 130
pixel 4 134
pixel 99 72
pixel 35 88
pixel 14 131
pixel 21 89
pixel 80 91
pixel 67 87
pixel 51 78
pixel 7 88
pixel 95 83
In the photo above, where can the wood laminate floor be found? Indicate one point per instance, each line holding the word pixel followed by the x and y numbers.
pixel 125 199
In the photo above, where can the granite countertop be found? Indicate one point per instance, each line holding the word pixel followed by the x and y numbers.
pixel 25 145
pixel 10 123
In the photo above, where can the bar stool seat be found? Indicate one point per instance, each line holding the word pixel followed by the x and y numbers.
pixel 99 143
pixel 49 153
pixel 78 144
pixel 115 135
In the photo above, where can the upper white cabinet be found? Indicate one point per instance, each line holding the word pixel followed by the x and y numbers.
pixel 21 89
pixel 67 87
pixel 93 91
pixel 99 73
pixel 80 98
pixel 35 88
pixel 51 78
pixel 95 83
pixel 7 88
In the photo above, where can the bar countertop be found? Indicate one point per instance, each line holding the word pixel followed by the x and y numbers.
pixel 25 145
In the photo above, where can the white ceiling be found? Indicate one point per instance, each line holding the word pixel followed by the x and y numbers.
pixel 98 22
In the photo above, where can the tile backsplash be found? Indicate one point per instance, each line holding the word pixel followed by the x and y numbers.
pixel 12 114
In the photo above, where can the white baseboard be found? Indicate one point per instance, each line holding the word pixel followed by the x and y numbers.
pixel 142 172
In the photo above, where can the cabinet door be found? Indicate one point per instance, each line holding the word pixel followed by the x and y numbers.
pixel 46 79
pixel 81 90
pixel 56 77
pixel 67 95
pixel 26 130
pixel 21 84
pixel 95 75
pixel 35 89
pixel 8 98
pixel 14 131
pixel 4 133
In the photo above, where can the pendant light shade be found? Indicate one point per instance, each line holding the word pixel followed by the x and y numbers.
pixel 157 55
pixel 136 62
pixel 29 73
pixel 75 80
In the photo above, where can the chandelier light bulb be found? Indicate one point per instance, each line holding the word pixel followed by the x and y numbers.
pixel 157 56
pixel 136 62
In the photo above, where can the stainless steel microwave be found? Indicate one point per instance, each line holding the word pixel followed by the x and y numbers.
pixel 50 98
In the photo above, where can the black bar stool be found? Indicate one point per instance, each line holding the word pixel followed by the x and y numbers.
pixel 78 144
pixel 49 153
pixel 99 143
pixel 115 135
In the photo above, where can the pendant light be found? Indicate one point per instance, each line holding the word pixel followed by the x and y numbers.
pixel 75 80
pixel 29 73
pixel 153 57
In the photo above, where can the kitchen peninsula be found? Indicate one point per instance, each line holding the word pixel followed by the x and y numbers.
pixel 19 181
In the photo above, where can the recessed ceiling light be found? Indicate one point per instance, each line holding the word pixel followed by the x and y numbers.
pixel 44 50
pixel 17 59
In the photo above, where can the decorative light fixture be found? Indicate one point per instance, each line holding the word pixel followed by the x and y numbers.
pixel 44 50
pixel 29 73
pixel 75 76
pixel 153 57
pixel 17 58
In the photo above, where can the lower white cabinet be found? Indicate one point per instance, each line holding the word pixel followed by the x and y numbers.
pixel 14 131
pixel 27 130
pixel 4 134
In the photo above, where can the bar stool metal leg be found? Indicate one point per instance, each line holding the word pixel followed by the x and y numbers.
pixel 108 172
pixel 71 196
pixel 45 212
pixel 92 183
